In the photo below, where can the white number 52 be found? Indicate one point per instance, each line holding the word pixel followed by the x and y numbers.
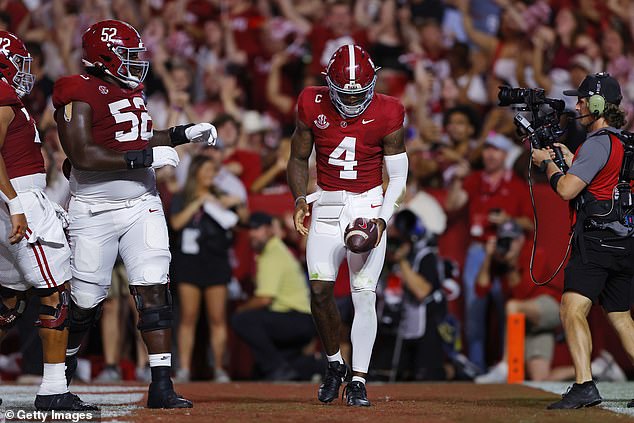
pixel 107 34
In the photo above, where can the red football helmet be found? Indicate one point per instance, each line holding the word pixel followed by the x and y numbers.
pixel 15 63
pixel 351 77
pixel 115 46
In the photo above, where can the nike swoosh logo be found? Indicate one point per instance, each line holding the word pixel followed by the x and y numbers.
pixel 364 122
pixel 153 210
pixel 374 206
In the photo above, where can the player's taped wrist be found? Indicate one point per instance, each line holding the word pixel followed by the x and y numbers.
pixel 136 159
pixel 177 134
pixel 299 198
pixel 396 166
pixel 15 206
pixel 554 179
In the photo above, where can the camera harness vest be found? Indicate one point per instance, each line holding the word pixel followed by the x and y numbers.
pixel 608 201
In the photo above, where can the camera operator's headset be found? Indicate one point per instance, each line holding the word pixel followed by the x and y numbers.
pixel 596 102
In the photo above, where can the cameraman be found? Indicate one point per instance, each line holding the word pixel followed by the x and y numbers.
pixel 507 257
pixel 601 265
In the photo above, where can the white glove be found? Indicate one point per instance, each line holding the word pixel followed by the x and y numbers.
pixel 202 132
pixel 164 156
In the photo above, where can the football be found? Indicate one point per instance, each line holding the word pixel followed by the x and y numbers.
pixel 361 235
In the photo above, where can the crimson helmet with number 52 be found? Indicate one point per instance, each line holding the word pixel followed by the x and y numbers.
pixel 115 48
pixel 15 63
pixel 351 77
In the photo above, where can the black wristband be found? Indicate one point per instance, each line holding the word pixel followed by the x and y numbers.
pixel 177 134
pixel 554 179
pixel 136 159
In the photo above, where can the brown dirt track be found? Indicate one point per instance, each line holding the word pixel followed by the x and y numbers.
pixel 456 402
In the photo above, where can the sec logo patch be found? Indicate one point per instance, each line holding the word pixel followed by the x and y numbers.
pixel 103 89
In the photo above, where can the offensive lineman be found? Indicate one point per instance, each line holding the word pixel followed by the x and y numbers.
pixel 354 131
pixel 106 132
pixel 34 257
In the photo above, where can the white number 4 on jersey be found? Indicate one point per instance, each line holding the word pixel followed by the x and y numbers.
pixel 347 146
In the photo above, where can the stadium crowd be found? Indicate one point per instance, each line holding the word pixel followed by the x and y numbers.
pixel 240 64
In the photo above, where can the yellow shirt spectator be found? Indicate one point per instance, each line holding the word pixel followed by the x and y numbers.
pixel 280 277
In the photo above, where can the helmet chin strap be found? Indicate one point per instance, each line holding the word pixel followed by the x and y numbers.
pixel 18 90
pixel 128 83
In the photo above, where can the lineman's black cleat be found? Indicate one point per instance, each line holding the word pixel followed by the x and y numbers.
pixel 356 395
pixel 336 374
pixel 67 402
pixel 629 404
pixel 578 395
pixel 162 395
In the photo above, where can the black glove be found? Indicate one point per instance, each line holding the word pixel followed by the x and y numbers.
pixel 136 159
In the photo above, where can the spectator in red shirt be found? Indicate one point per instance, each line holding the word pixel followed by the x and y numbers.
pixel 338 28
pixel 493 196
pixel 245 164
pixel 508 257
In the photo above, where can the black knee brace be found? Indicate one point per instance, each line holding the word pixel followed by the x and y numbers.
pixel 9 315
pixel 59 313
pixel 82 319
pixel 154 304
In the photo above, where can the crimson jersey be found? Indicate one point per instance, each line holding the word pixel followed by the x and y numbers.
pixel 120 120
pixel 21 149
pixel 349 151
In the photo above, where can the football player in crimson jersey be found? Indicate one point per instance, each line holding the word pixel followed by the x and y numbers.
pixel 354 132
pixel 107 134
pixel 36 257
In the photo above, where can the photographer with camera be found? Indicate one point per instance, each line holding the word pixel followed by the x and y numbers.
pixel 601 265
pixel 508 258
pixel 412 255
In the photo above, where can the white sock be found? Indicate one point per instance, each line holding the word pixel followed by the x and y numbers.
pixel 363 329
pixel 161 359
pixel 358 379
pixel 335 357
pixel 53 379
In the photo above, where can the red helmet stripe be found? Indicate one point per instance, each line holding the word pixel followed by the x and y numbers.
pixel 353 64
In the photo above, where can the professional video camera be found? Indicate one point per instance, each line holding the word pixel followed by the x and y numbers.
pixel 543 129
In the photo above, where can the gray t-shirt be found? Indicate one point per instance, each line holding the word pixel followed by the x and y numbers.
pixel 592 155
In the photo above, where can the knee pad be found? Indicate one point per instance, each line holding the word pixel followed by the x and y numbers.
pixel 154 304
pixel 9 315
pixel 59 313
pixel 82 319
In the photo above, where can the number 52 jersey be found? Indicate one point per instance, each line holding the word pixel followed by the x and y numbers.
pixel 349 150
pixel 120 122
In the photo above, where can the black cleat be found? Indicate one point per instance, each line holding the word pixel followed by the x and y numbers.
pixel 356 394
pixel 71 367
pixel 629 404
pixel 336 374
pixel 578 395
pixel 67 401
pixel 162 395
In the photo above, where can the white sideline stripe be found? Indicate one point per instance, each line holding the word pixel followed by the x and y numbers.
pixel 353 64
pixel 615 395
